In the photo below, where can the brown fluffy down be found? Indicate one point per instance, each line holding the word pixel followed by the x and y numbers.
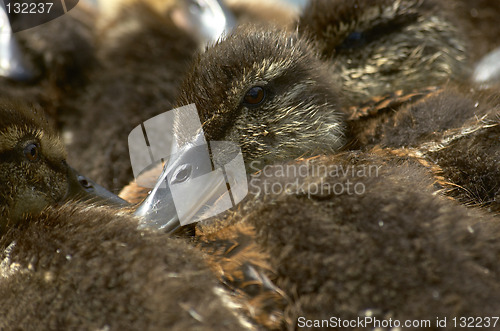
pixel 397 250
pixel 87 267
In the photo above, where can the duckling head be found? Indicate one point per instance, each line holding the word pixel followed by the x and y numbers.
pixel 266 91
pixel 262 90
pixel 379 46
pixel 33 170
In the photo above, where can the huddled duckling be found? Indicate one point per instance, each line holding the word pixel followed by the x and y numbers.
pixel 87 267
pixel 142 56
pixel 378 47
pixel 34 169
pixel 267 91
pixel 454 130
pixel 363 234
pixel 68 264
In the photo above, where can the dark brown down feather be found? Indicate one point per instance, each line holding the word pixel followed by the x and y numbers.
pixel 395 249
pixel 137 78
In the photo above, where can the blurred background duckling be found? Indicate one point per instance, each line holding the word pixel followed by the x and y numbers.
pixel 283 14
pixel 398 37
pixel 378 47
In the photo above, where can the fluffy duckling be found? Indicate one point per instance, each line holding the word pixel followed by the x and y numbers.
pixel 382 46
pixel 268 92
pixel 88 267
pixel 360 235
pixel 34 169
pixel 453 129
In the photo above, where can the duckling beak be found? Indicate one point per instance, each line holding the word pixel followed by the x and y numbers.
pixel 84 189
pixel 189 190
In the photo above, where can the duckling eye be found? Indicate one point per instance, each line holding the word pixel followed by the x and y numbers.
pixel 32 151
pixel 354 40
pixel 254 97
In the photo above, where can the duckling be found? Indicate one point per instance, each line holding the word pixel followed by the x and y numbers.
pixel 340 244
pixel 57 57
pixel 142 56
pixel 382 46
pixel 266 90
pixel 455 129
pixel 85 266
pixel 34 169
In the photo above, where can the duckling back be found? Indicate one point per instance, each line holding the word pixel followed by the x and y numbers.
pixel 365 235
pixel 80 266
